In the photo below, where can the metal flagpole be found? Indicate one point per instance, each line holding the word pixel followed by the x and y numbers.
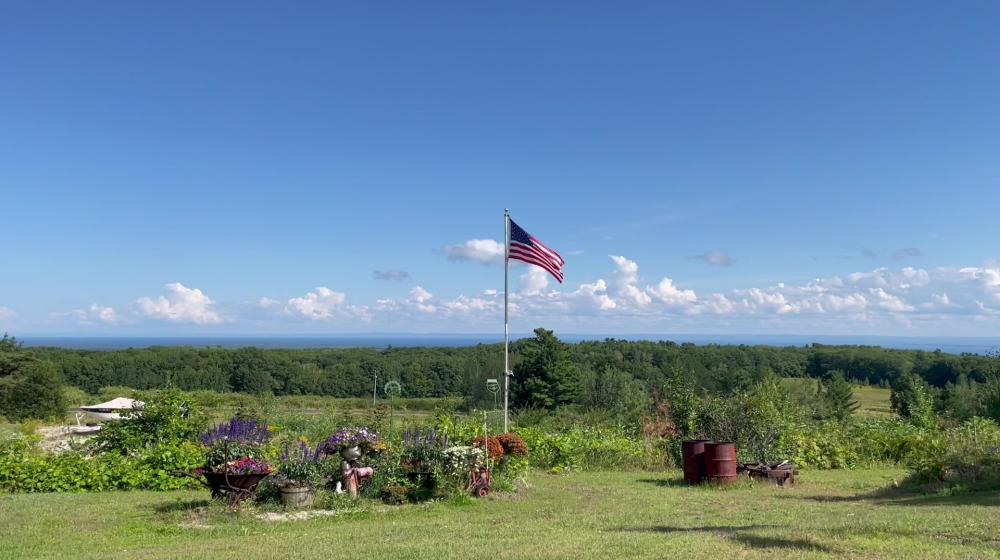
pixel 506 328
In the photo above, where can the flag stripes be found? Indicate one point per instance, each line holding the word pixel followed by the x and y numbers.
pixel 525 248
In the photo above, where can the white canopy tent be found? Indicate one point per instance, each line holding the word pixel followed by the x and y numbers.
pixel 110 410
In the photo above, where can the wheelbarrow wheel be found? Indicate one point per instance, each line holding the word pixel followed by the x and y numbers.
pixel 481 491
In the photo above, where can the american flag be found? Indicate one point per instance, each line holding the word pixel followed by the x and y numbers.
pixel 526 248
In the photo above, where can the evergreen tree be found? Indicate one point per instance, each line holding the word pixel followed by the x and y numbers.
pixel 839 397
pixel 545 378
pixel 12 356
pixel 29 388
pixel 912 400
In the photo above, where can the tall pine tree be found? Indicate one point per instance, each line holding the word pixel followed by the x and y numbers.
pixel 839 397
pixel 545 378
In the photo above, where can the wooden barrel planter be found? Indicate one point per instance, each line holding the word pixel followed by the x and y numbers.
pixel 693 459
pixel 297 496
pixel 720 462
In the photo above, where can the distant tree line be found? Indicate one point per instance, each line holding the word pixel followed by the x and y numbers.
pixel 604 374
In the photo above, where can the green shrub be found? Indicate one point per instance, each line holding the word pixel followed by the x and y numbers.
pixel 34 390
pixel 75 397
pixel 166 418
pixel 885 440
pixel 757 421
pixel 965 456
pixel 913 400
pixel 582 447
pixel 25 469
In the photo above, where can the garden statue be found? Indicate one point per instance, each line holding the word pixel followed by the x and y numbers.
pixel 349 442
pixel 352 474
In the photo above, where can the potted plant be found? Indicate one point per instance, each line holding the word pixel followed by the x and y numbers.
pixel 234 458
pixel 351 443
pixel 300 473
pixel 423 457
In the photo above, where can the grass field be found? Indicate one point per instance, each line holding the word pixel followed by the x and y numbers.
pixel 580 515
pixel 873 401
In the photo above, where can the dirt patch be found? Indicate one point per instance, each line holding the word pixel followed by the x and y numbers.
pixel 295 516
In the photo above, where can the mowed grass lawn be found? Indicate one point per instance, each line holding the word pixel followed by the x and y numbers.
pixel 604 515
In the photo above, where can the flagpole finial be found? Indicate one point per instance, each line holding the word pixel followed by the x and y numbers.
pixel 506 211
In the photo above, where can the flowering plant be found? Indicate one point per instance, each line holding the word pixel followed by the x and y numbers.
pixel 423 449
pixel 492 445
pixel 350 437
pixel 459 460
pixel 249 465
pixel 239 431
pixel 236 444
pixel 513 445
pixel 301 465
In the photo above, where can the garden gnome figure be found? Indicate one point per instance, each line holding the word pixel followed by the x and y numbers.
pixel 353 475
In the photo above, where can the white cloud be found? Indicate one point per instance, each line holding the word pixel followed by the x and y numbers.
pixel 941 299
pixel 719 304
pixel 105 315
pixel 626 270
pixel 7 313
pixel 669 294
pixel 875 301
pixel 626 276
pixel 324 304
pixel 420 297
pixel 878 299
pixel 421 302
pixel 95 314
pixel 477 305
pixel 597 293
pixel 628 293
pixel 483 251
pixel 533 281
pixel 180 304
pixel 889 301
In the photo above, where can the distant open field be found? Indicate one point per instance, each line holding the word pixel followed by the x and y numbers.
pixel 872 401
pixel 605 515
pixel 223 405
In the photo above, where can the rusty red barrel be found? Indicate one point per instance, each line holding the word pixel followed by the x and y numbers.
pixel 720 462
pixel 693 459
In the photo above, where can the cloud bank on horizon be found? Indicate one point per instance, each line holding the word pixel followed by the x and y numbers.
pixel 909 300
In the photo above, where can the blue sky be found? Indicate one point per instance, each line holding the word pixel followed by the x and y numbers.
pixel 245 169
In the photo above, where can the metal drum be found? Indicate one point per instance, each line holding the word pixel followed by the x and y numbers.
pixel 720 462
pixel 693 459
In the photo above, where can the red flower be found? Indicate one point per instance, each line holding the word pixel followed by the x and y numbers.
pixel 493 447
pixel 513 445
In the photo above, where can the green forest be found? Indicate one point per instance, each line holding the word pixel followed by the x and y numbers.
pixel 612 375
pixel 605 404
